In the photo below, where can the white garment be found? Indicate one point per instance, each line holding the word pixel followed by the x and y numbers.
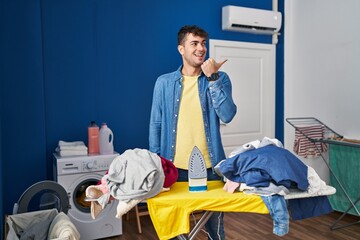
pixel 256 144
pixel 316 185
pixel 245 147
pixel 270 141
pixel 124 207
pixel 62 228
pixel 272 189
pixel 244 187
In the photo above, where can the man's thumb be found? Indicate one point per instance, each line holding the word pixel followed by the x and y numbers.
pixel 218 65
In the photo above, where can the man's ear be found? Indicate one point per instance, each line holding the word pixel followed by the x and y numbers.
pixel 181 49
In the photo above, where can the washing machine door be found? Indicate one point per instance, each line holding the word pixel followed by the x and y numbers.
pixel 80 209
pixel 41 196
pixel 105 224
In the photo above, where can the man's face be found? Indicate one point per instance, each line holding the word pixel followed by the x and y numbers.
pixel 193 50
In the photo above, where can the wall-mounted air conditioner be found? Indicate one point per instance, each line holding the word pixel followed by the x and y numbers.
pixel 250 20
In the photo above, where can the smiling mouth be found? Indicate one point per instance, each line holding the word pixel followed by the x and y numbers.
pixel 199 55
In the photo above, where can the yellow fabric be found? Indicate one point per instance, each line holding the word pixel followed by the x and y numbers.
pixel 190 128
pixel 170 211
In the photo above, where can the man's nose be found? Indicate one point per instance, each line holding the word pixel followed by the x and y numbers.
pixel 201 47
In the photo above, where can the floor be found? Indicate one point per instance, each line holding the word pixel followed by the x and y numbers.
pixel 251 226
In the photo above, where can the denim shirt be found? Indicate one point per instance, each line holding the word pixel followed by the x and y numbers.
pixel 216 104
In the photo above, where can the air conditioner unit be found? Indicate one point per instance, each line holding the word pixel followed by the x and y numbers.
pixel 250 20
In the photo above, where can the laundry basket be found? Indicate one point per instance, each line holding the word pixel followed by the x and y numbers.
pixel 38 225
pixel 40 214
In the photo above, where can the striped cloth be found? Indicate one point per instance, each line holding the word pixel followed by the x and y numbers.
pixel 303 146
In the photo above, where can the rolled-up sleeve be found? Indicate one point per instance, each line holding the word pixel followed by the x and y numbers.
pixel 221 98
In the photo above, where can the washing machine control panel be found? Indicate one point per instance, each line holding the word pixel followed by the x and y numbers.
pixel 83 164
pixel 95 165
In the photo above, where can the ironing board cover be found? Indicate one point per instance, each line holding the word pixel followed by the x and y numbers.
pixel 170 211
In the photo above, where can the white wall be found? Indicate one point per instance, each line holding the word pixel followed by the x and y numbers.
pixel 322 67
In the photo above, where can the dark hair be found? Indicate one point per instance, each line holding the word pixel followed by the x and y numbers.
pixel 195 30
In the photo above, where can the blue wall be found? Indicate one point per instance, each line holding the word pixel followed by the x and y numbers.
pixel 65 63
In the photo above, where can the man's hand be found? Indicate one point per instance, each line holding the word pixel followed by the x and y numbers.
pixel 210 66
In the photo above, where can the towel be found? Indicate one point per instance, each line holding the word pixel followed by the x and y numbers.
pixel 72 153
pixel 62 228
pixel 77 148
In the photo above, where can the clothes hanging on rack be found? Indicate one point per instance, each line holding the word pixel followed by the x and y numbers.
pixel 306 148
pixel 334 139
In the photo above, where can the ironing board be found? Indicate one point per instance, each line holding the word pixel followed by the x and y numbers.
pixel 170 211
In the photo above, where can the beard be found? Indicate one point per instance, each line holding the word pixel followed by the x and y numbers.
pixel 193 61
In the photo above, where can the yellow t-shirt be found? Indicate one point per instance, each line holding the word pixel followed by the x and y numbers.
pixel 190 126
pixel 170 210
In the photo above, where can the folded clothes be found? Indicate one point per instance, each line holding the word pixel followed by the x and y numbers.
pixel 76 148
pixel 68 153
pixel 76 145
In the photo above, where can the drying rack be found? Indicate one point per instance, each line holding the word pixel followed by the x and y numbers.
pixel 330 137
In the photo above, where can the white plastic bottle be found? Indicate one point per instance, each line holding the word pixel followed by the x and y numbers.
pixel 106 139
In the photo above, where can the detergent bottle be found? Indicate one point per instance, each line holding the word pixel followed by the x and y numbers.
pixel 93 138
pixel 106 139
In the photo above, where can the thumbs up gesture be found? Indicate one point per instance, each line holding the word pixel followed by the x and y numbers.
pixel 211 66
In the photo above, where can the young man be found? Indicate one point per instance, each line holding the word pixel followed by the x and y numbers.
pixel 187 107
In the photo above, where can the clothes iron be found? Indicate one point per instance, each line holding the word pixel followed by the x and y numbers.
pixel 197 171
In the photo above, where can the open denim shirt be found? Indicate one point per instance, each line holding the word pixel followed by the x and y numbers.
pixel 216 104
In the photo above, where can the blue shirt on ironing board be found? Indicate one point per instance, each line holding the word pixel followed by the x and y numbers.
pixel 258 167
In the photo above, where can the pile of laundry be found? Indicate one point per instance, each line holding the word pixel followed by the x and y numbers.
pixel 77 148
pixel 267 169
pixel 134 176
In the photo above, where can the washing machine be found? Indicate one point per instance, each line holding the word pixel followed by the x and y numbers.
pixel 75 174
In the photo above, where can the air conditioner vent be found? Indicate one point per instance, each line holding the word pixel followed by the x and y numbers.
pixel 253 27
